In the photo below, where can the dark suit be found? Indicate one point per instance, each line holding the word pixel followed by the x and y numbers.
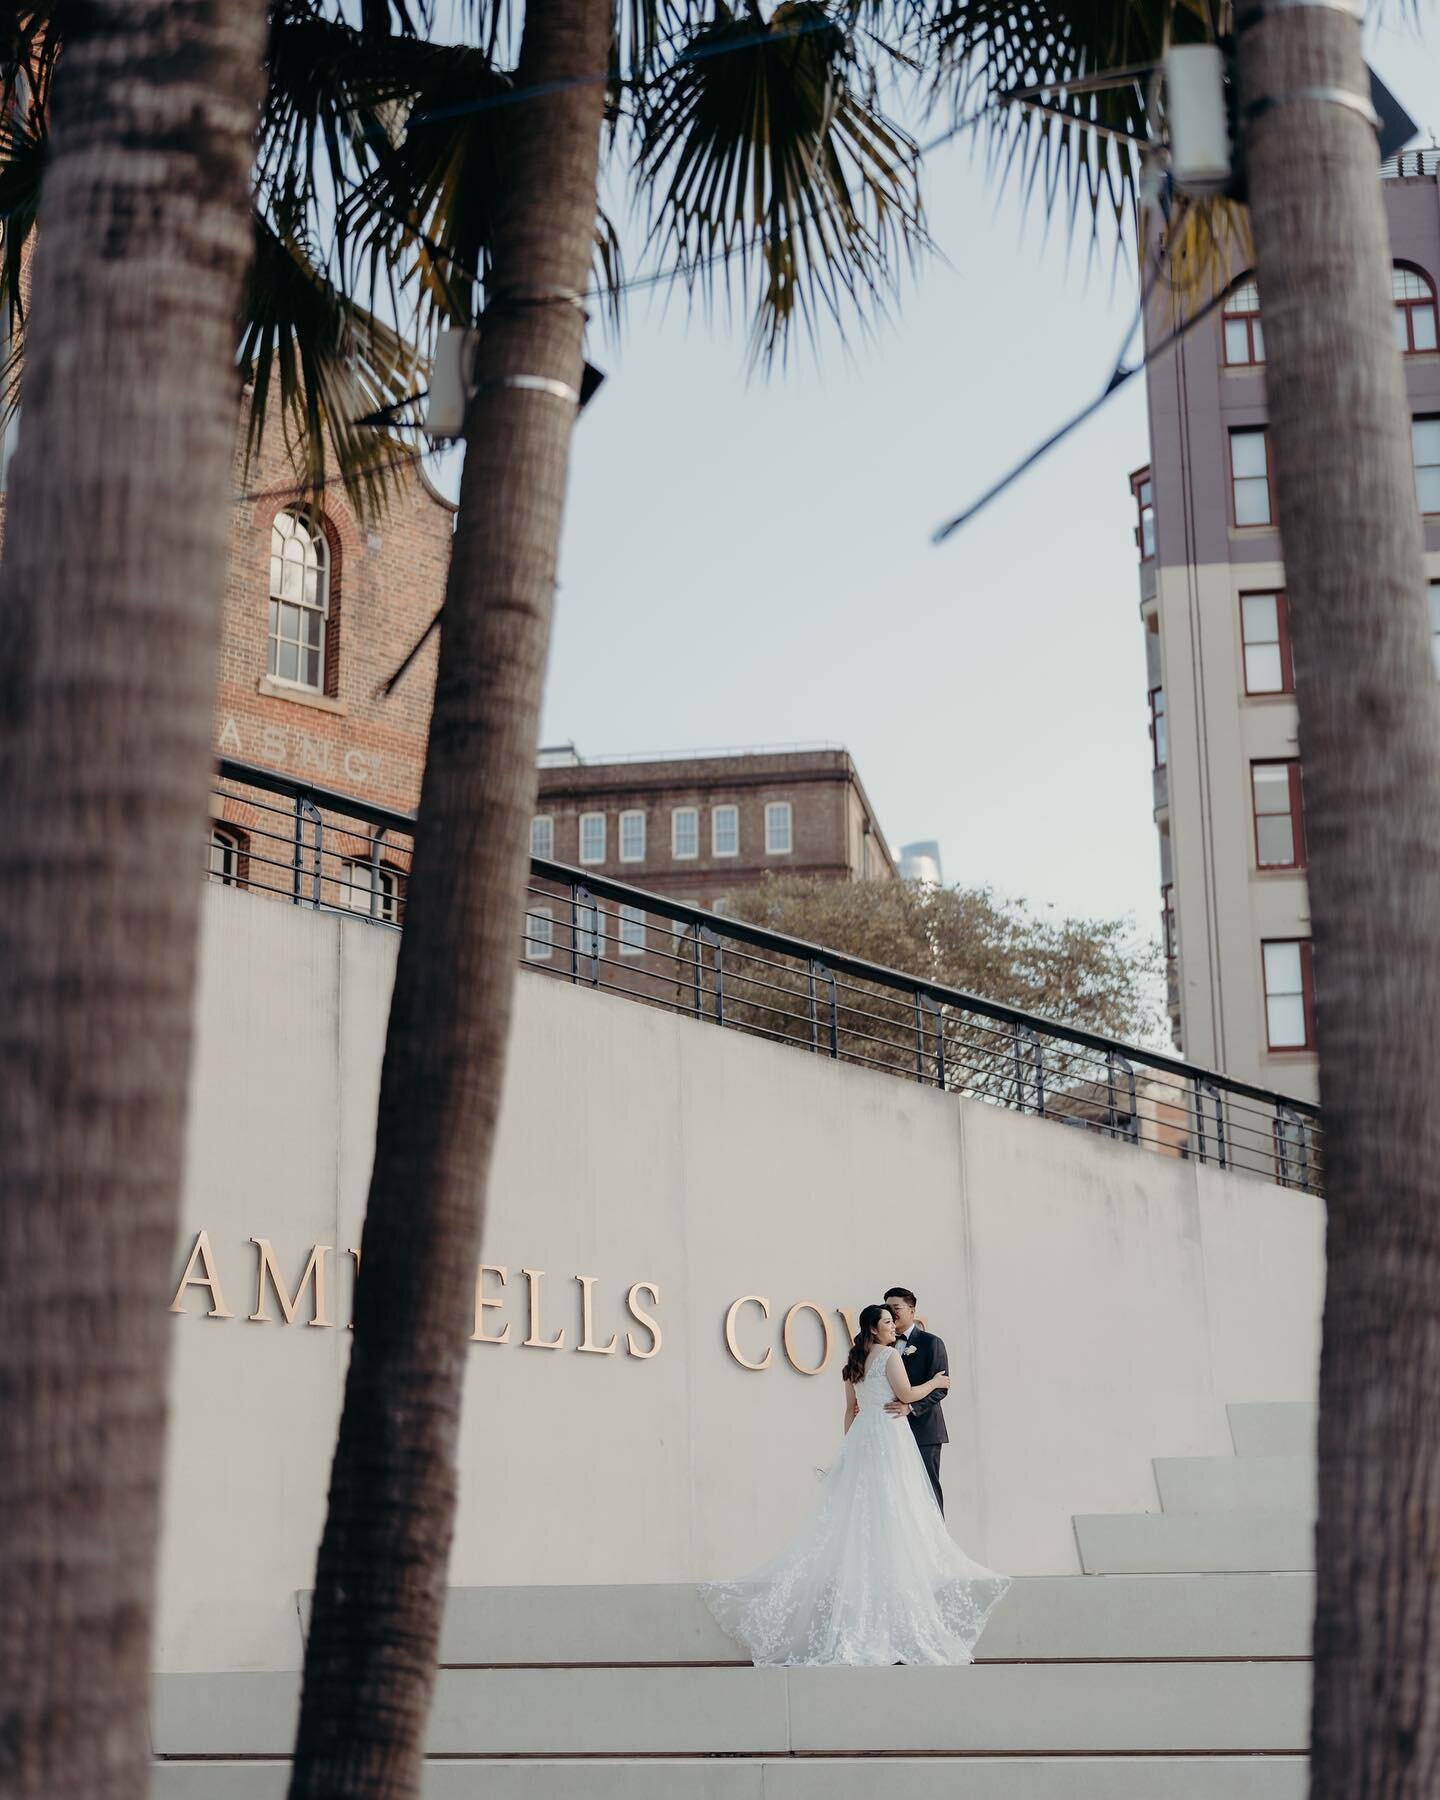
pixel 926 1419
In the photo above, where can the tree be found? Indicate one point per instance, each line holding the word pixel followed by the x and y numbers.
pixel 1081 972
pixel 1370 745
pixel 111 591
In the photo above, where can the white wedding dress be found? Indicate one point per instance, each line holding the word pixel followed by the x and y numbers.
pixel 873 1577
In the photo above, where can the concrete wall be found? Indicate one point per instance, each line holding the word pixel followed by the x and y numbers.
pixel 1100 1304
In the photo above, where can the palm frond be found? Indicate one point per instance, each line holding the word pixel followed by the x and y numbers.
pixel 773 180
pixel 327 363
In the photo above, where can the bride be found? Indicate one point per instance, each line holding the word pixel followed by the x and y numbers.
pixel 873 1576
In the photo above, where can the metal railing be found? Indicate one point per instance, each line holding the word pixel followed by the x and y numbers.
pixel 290 840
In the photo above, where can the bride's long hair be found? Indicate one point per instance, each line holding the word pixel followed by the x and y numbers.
pixel 870 1317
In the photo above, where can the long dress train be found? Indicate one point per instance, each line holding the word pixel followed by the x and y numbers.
pixel 873 1577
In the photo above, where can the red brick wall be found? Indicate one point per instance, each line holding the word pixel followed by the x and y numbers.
pixel 388 581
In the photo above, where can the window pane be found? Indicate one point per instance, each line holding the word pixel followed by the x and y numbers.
pixel 1286 1017
pixel 539 936
pixel 542 837
pixel 1252 502
pixel 777 828
pixel 312 630
pixel 1272 787
pixel 1282 969
pixel 1427 487
pixel 1257 331
pixel 726 825
pixel 312 669
pixel 685 831
pixel 1263 673
pixel 632 930
pixel 1402 330
pixel 1260 614
pixel 289 669
pixel 1422 325
pixel 632 837
pixel 1427 441
pixel 592 837
pixel 1237 341
pixel 1247 453
pixel 1275 841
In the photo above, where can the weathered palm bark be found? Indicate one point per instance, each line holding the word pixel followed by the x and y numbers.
pixel 1370 743
pixel 380 1581
pixel 109 618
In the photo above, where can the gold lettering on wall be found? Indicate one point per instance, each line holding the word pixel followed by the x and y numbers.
pixel 643 1319
pixel 730 1343
pixel 587 1324
pixel 804 1306
pixel 536 1339
pixel 482 1300
pixel 314 1270
pixel 209 1279
pixel 849 1320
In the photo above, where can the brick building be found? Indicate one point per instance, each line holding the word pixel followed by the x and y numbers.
pixel 700 826
pixel 320 610
pixel 694 828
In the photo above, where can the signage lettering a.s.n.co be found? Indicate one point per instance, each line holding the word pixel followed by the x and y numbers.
pixel 553 1313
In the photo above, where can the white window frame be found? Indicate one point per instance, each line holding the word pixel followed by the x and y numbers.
pixel 773 812
pixel 542 836
pixel 356 876
pixel 1430 491
pixel 676 814
pixel 632 818
pixel 589 818
pixel 539 946
pixel 630 931
pixel 716 812
pixel 227 843
pixel 312 601
pixel 589 924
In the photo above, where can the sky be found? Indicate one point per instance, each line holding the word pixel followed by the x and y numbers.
pixel 747 559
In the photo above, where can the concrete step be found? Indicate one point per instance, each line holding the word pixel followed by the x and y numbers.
pixel 1191 1484
pixel 1274 1428
pixel 792 1778
pixel 1006 1709
pixel 1164 1543
pixel 1052 1617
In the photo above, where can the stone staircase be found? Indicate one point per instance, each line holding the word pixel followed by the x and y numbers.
pixel 1175 1668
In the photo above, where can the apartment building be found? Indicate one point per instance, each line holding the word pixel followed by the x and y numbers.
pixel 1228 786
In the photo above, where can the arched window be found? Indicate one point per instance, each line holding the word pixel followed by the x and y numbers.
pixel 1244 336
pixel 227 856
pixel 299 601
pixel 1414 310
pixel 368 888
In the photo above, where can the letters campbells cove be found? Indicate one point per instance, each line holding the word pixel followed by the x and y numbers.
pixel 557 1317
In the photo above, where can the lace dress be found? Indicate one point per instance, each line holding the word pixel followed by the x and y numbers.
pixel 873 1577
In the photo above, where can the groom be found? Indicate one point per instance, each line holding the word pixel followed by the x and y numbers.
pixel 925 1356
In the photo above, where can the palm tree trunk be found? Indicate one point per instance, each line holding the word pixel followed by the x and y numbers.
pixel 374 1632
pixel 110 595
pixel 1370 743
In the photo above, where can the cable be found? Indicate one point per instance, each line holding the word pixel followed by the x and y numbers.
pixel 1118 378
pixel 542 89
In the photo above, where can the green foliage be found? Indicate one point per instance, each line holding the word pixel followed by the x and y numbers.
pixel 1089 973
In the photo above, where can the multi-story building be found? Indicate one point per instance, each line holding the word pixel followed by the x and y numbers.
pixel 702 825
pixel 1229 794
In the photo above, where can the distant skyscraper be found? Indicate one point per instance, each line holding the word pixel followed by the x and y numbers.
pixel 921 862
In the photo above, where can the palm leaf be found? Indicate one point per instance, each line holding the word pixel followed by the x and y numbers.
pixel 327 363
pixel 770 173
